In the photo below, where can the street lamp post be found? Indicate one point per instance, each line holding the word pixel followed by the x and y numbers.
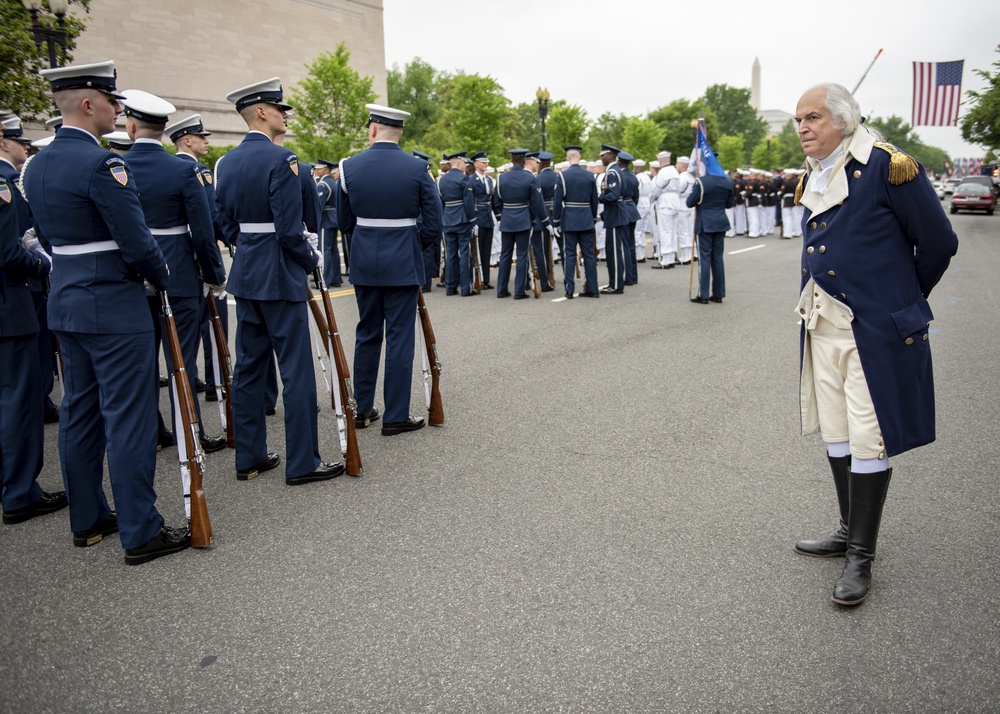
pixel 50 36
pixel 543 110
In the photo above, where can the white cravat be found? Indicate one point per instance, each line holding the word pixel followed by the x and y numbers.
pixel 821 179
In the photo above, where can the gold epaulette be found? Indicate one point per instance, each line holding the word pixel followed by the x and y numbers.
pixel 800 187
pixel 902 167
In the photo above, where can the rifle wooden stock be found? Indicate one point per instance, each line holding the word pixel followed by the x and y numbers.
pixel 549 261
pixel 352 459
pixel 194 457
pixel 225 366
pixel 537 287
pixel 435 410
pixel 477 267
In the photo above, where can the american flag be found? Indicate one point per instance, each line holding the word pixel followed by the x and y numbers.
pixel 937 89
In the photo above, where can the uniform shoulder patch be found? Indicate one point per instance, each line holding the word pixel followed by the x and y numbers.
pixel 902 167
pixel 293 164
pixel 5 194
pixel 119 174
pixel 199 174
pixel 206 174
pixel 113 160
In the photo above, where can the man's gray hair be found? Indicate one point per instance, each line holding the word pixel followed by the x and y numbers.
pixel 844 110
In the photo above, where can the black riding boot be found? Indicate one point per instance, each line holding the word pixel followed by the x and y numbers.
pixel 867 498
pixel 836 543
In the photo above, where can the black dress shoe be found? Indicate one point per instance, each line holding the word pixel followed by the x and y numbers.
pixel 267 464
pixel 548 289
pixel 629 283
pixel 211 395
pixel 271 412
pixel 334 285
pixel 657 266
pixel 82 539
pixel 51 416
pixel 503 295
pixel 487 286
pixel 323 472
pixel 718 300
pixel 611 291
pixel 686 262
pixel 46 503
pixel 163 382
pixel 699 300
pixel 363 419
pixel 168 540
pixel 522 296
pixel 590 295
pixel 164 439
pixel 211 444
pixel 569 296
pixel 389 428
pixel 441 285
pixel 199 386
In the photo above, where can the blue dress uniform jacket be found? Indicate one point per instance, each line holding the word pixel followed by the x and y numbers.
pixel 17 312
pixel 517 200
pixel 880 249
pixel 613 198
pixel 83 200
pixel 712 195
pixel 575 201
pixel 482 192
pixel 387 184
pixel 457 200
pixel 326 192
pixel 172 193
pixel 630 195
pixel 312 206
pixel 272 255
pixel 209 185
pixel 546 180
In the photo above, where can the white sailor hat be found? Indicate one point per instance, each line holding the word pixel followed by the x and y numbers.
pixel 654 164
pixel 55 122
pixel 118 140
pixel 378 114
pixel 190 125
pixel 146 107
pixel 639 162
pixel 12 130
pixel 269 92
pixel 43 142
pixel 663 155
pixel 683 160
pixel 99 75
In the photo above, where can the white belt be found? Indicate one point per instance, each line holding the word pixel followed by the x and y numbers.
pixel 454 203
pixel 387 222
pixel 575 204
pixel 101 246
pixel 515 205
pixel 172 231
pixel 257 228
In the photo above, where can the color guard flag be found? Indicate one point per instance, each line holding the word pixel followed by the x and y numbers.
pixel 937 90
pixel 703 158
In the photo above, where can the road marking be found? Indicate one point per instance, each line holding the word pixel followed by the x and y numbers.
pixel 744 250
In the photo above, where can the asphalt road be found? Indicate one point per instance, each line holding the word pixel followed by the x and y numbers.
pixel 605 524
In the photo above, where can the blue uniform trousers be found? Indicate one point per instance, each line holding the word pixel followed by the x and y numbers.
pixel 430 264
pixel 458 276
pixel 508 241
pixel 392 311
pixel 211 378
pixel 265 328
pixel 631 261
pixel 331 257
pixel 21 435
pixel 710 248
pixel 614 249
pixel 46 363
pixel 109 405
pixel 187 318
pixel 271 385
pixel 538 239
pixel 485 248
pixel 585 239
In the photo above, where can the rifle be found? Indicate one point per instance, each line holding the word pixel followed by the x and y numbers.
pixel 477 268
pixel 222 363
pixel 428 343
pixel 189 451
pixel 549 262
pixel 60 369
pixel 343 396
pixel 536 286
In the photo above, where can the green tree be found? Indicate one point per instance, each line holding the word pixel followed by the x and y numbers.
pixel 476 117
pixel 416 89
pixel 608 129
pixel 731 153
pixel 642 138
pixel 526 126
pixel 22 89
pixel 566 124
pixel 981 123
pixel 759 155
pixel 898 132
pixel 786 150
pixel 330 115
pixel 675 120
pixel 733 113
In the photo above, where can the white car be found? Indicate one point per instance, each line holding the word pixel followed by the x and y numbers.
pixel 950 184
pixel 938 189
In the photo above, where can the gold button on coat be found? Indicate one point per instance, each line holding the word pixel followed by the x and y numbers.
pixel 822 249
pixel 813 225
pixel 822 226
pixel 857 174
pixel 809 249
pixel 831 273
pixel 909 340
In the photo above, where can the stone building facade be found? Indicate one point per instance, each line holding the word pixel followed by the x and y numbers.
pixel 194 52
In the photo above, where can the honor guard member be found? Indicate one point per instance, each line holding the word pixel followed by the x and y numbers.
pixel 178 214
pixel 85 203
pixel 13 156
pixel 482 191
pixel 712 194
pixel 191 141
pixel 574 213
pixel 875 244
pixel 615 220
pixel 21 420
pixel 517 203
pixel 382 192
pixel 427 253
pixel 260 208
pixel 630 199
pixel 546 180
pixel 326 186
pixel 458 213
pixel 536 242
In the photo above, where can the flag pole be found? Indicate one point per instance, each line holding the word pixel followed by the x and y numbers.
pixel 853 91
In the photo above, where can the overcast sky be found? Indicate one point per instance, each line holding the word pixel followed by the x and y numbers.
pixel 636 55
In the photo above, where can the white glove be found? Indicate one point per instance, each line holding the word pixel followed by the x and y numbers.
pixel 550 229
pixel 313 239
pixel 475 231
pixel 319 260
pixel 29 241
pixel 218 291
pixel 556 231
